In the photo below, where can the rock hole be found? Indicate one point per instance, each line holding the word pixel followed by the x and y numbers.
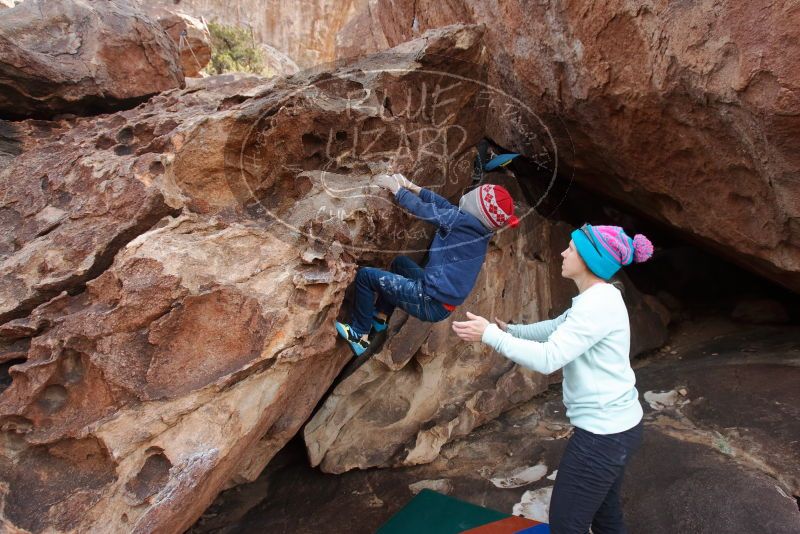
pixel 72 367
pixel 374 125
pixel 15 424
pixel 104 142
pixel 123 150
pixel 143 133
pixel 53 398
pixel 156 168
pixel 312 143
pixel 13 429
pixel 5 376
pixel 125 135
pixel 151 477
pixel 312 162
pixel 165 127
pixel 62 199
pixel 341 136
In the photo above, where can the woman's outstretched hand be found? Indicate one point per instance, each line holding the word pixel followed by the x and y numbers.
pixel 472 329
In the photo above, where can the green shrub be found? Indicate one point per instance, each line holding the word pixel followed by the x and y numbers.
pixel 233 50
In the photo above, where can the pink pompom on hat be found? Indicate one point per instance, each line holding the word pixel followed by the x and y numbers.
pixel 605 249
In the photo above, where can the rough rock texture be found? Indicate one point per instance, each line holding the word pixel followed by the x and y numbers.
pixel 194 47
pixel 427 387
pixel 721 459
pixel 277 63
pixel 304 30
pixel 736 393
pixel 361 33
pixel 68 56
pixel 169 274
pixel 686 112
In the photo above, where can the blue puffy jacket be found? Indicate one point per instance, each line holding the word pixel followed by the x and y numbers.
pixel 458 250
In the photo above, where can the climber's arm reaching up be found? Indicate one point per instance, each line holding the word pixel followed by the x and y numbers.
pixel 425 204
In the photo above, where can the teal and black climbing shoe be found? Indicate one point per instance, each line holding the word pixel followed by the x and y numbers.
pixel 357 345
pixel 499 161
pixel 379 325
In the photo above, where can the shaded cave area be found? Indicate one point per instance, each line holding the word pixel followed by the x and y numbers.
pixel 686 276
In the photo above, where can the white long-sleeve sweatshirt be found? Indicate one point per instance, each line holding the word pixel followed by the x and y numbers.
pixel 591 341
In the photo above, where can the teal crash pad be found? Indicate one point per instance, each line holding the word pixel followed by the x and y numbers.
pixel 433 513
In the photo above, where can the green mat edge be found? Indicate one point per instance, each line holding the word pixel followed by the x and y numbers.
pixel 427 517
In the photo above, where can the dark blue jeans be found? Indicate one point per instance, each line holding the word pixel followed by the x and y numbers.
pixel 589 480
pixel 400 287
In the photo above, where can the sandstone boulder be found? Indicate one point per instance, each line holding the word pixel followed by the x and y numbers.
pixel 687 113
pixel 170 273
pixel 277 63
pixel 191 36
pixel 67 56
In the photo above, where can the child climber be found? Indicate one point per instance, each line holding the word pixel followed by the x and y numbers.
pixel 454 259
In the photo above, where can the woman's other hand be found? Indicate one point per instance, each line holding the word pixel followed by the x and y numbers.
pixel 502 325
pixel 472 329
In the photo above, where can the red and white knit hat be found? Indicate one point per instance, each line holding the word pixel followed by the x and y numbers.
pixel 492 205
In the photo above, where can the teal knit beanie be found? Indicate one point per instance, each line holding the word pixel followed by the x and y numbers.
pixel 605 249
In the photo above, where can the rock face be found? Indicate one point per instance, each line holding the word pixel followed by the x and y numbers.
pixel 426 387
pixel 76 57
pixel 169 275
pixel 687 113
pixel 277 63
pixel 305 30
pixel 190 35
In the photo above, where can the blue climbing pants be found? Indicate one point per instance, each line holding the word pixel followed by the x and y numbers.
pixel 399 287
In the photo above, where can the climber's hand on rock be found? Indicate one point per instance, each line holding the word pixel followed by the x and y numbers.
pixel 390 183
pixel 472 329
pixel 501 324
pixel 402 180
pixel 405 182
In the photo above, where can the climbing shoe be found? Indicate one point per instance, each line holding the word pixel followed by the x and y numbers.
pixel 357 345
pixel 379 325
pixel 499 161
